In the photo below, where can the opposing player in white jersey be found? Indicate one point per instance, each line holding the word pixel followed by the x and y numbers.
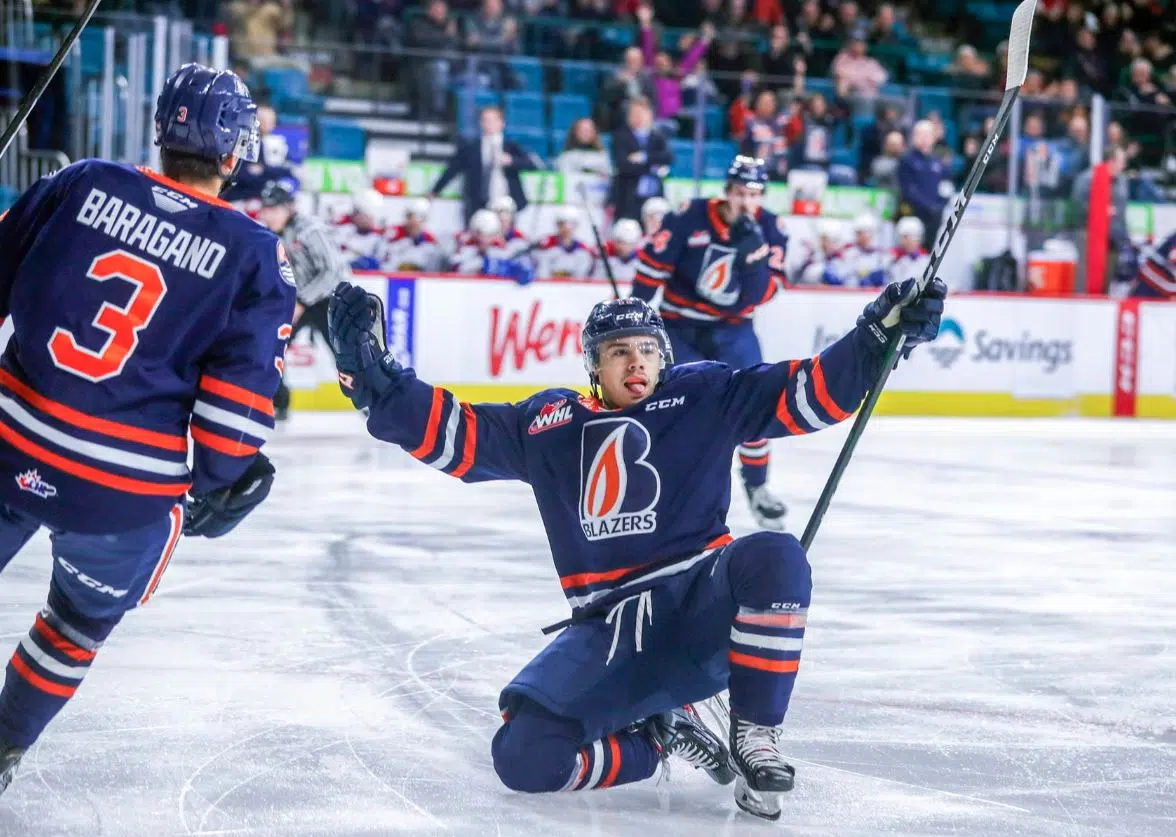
pixel 652 213
pixel 862 263
pixel 512 236
pixel 360 234
pixel 563 256
pixel 908 258
pixel 482 241
pixel 621 251
pixel 816 260
pixel 410 246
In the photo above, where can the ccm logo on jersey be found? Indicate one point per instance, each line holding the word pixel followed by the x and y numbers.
pixel 665 403
pixel 619 489
pixel 92 583
pixel 699 239
pixel 552 415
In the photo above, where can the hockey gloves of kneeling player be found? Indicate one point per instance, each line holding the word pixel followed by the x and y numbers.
pixel 218 513
pixel 901 308
pixel 355 325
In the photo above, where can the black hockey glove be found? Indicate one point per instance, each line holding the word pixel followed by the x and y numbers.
pixel 748 239
pixel 355 325
pixel 218 513
pixel 898 309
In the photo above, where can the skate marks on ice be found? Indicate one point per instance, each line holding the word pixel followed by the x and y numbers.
pixel 334 669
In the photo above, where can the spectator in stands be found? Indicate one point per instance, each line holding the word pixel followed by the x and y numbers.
pixel 814 146
pixel 856 73
pixel 923 181
pixel 435 31
pixel 1074 151
pixel 850 23
pixel 257 27
pixel 631 81
pixel 1117 237
pixel 1128 52
pixel 1140 88
pixel 888 30
pixel 884 167
pixel 491 33
pixel 667 77
pixel 887 120
pixel 1117 137
pixel 1040 165
pixel 1088 64
pixel 784 57
pixel 1159 52
pixel 727 59
pixel 765 135
pixel 641 159
pixel 996 177
pixel 741 109
pixel 583 153
pixel 1168 83
pixel 489 166
pixel 969 71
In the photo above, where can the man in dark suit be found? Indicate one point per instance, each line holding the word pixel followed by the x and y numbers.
pixel 641 158
pixel 489 166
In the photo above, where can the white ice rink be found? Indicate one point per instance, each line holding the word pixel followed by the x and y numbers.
pixel 990 652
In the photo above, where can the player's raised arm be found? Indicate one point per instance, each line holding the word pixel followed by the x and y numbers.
pixel 802 396
pixel 471 442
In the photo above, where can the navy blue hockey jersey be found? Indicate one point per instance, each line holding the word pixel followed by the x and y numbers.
pixel 691 259
pixel 142 311
pixel 627 496
pixel 1157 271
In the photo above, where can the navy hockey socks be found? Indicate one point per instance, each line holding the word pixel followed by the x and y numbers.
pixel 753 462
pixel 764 657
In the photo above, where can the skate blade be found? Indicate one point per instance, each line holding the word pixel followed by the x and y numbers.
pixel 763 804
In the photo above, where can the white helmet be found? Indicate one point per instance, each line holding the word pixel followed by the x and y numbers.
pixel 911 226
pixel 503 204
pixel 417 208
pixel 828 228
pixel 626 231
pixel 370 203
pixel 865 222
pixel 276 149
pixel 486 223
pixel 655 206
pixel 567 215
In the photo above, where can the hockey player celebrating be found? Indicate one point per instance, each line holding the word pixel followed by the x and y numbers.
pixel 515 242
pixel 145 308
pixel 653 211
pixel 861 264
pixel 361 235
pixel 410 246
pixel 633 489
pixel 484 252
pixel 621 251
pixel 908 258
pixel 563 256
pixel 715 266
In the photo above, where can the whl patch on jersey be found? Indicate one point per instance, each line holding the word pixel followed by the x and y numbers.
pixel 555 414
pixel 31 482
pixel 285 269
pixel 619 489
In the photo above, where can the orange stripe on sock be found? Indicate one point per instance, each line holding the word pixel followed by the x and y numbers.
pixel 754 460
pixel 775 666
pixel 774 620
pixel 614 749
pixel 55 689
pixel 70 649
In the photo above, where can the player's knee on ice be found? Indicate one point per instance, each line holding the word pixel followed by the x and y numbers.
pixel 535 752
pixel 768 568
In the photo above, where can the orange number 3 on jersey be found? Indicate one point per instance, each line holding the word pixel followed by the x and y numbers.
pixel 122 324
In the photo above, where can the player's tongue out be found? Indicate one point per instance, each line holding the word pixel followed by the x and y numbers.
pixel 636 385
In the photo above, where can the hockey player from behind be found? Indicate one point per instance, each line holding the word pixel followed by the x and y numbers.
pixel 318 264
pixel 908 258
pixel 361 234
pixel 145 308
pixel 715 262
pixel 563 256
pixel 1156 276
pixel 861 264
pixel 410 246
pixel 621 252
pixel 633 488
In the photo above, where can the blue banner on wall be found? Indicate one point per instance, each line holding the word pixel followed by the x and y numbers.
pixel 401 309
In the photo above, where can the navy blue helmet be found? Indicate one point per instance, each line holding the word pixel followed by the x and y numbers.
pixel 617 318
pixel 278 193
pixel 209 114
pixel 747 171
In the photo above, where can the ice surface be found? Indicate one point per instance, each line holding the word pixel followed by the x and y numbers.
pixel 990 653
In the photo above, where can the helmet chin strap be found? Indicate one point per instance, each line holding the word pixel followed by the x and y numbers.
pixel 228 182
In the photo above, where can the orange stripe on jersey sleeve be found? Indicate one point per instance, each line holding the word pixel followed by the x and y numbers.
pixel 469 449
pixel 89 474
pixel 654 263
pixel 220 444
pixel 783 414
pixel 433 425
pixel 822 392
pixel 118 430
pixel 775 666
pixel 645 280
pixel 239 394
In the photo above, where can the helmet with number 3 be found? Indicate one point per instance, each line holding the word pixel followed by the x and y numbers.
pixel 209 114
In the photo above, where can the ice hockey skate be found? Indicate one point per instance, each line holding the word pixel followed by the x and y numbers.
pixel 768 510
pixel 682 733
pixel 763 773
pixel 9 760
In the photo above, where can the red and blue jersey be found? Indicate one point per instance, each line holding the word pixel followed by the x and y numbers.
pixel 144 313
pixel 629 496
pixel 693 261
pixel 1157 271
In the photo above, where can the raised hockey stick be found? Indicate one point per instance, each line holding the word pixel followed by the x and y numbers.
pixel 599 243
pixel 33 96
pixel 1018 65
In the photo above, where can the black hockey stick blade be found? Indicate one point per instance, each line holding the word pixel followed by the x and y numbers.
pixel 599 243
pixel 33 96
pixel 1018 66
